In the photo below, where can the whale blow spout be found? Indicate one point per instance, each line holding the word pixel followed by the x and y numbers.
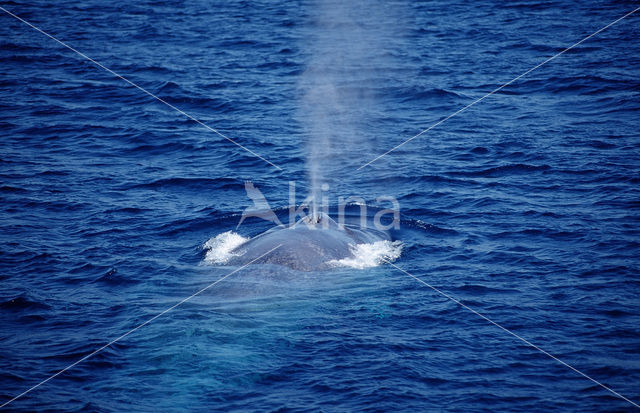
pixel 312 243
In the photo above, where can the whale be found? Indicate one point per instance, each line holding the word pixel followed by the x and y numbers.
pixel 312 243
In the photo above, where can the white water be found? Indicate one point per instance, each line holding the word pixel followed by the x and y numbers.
pixel 370 255
pixel 219 247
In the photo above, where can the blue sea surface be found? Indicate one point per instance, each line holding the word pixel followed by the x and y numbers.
pixel 525 207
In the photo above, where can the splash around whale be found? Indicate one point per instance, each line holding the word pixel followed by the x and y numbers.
pixel 312 243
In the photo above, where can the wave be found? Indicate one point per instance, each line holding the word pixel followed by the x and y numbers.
pixel 503 170
pixel 188 183
pixel 23 302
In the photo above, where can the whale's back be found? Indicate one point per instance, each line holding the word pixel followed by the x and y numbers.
pixel 305 246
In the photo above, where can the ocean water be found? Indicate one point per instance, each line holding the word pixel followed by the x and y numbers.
pixel 525 207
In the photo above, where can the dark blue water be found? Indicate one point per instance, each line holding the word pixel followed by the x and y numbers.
pixel 526 206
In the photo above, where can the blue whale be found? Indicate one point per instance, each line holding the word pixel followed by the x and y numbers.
pixel 310 244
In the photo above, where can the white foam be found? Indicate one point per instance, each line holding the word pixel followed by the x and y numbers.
pixel 219 247
pixel 370 255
